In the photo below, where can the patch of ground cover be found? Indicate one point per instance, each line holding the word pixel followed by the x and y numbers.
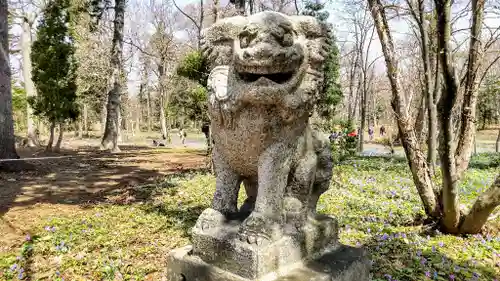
pixel 373 198
pixel 376 203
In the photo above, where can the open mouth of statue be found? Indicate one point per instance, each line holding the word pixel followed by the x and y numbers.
pixel 279 78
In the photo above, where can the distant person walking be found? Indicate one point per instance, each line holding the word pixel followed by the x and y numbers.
pixel 333 136
pixel 382 131
pixel 182 136
pixel 370 132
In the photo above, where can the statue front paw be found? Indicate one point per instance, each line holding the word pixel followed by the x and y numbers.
pixel 259 229
pixel 210 219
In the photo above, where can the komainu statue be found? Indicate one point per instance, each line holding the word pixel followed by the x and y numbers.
pixel 266 75
pixel 266 72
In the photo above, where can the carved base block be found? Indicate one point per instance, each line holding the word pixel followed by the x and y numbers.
pixel 221 247
pixel 341 264
pixel 309 252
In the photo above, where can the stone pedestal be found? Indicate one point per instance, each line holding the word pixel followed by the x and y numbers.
pixel 309 253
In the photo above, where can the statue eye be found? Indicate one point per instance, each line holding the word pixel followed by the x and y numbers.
pixel 247 35
pixel 278 33
pixel 287 39
pixel 244 41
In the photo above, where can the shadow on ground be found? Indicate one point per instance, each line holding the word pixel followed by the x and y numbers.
pixel 87 175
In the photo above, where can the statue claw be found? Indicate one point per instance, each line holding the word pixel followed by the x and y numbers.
pixel 258 229
pixel 209 219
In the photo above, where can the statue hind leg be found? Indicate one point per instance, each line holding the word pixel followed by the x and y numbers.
pixel 251 187
pixel 324 172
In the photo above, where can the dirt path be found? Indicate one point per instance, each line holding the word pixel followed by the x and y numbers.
pixel 84 176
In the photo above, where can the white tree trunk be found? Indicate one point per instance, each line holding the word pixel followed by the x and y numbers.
pixel 57 148
pixel 163 119
pixel 85 120
pixel 29 86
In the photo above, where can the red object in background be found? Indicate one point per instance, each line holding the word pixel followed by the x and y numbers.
pixel 352 134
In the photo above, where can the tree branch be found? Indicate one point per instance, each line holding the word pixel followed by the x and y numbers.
pixel 186 15
pixel 139 48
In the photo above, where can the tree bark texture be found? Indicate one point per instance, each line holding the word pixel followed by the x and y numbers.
pixel 497 145
pixel 468 124
pixel 7 140
pixel 51 136
pixel 420 119
pixel 352 79
pixel 85 120
pixel 215 11
pixel 455 158
pixel 416 160
pixel 148 110
pixel 451 213
pixel 103 114
pixel 57 148
pixel 482 209
pixel 29 86
pixel 163 119
pixel 110 138
pixel 79 132
pixel 432 136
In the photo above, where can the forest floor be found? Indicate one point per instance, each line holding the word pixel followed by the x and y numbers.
pixel 91 215
pixel 80 176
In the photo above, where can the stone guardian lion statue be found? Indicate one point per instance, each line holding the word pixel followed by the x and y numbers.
pixel 266 72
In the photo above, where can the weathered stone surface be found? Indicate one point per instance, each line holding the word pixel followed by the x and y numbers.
pixel 340 264
pixel 222 247
pixel 266 75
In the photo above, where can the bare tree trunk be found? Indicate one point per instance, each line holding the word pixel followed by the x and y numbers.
pixel 352 79
pixel 57 148
pixel 482 209
pixel 456 160
pixel 138 117
pixel 468 124
pixel 418 12
pixel 148 105
pixel 103 115
pixel 29 86
pixel 163 120
pixel 111 132
pixel 432 115
pixel 215 10
pixel 7 140
pixel 362 109
pixel 497 146
pixel 416 159
pixel 85 120
pixel 79 133
pixel 119 128
pixel 420 119
pixel 451 213
pixel 51 136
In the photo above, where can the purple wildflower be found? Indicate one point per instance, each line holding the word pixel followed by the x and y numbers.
pixel 13 267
